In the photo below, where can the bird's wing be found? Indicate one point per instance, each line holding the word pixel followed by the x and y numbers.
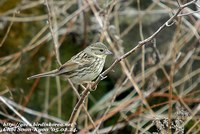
pixel 73 65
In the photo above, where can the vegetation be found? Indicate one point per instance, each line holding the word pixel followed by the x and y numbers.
pixel 151 82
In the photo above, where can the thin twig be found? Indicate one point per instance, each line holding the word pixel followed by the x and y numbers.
pixel 7 32
pixel 86 111
pixel 18 114
pixel 33 112
pixel 53 27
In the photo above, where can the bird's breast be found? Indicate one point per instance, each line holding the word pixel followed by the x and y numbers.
pixel 88 73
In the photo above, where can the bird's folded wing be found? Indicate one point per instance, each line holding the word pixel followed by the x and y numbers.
pixel 71 66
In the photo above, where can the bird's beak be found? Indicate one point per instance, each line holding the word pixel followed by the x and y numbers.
pixel 108 52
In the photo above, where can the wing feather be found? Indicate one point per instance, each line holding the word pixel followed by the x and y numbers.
pixel 72 66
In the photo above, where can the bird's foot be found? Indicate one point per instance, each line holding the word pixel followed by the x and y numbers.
pixel 92 86
pixel 102 77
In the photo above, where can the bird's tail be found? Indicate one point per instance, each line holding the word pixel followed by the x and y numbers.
pixel 46 74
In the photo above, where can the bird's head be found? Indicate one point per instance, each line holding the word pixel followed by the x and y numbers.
pixel 98 49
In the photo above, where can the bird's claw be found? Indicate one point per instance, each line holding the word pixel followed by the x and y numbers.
pixel 102 77
pixel 92 86
pixel 95 87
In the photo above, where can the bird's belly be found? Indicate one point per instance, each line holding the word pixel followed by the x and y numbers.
pixel 87 77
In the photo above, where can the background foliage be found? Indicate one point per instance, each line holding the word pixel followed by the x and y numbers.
pixel 169 63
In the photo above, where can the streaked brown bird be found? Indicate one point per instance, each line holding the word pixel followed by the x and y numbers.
pixel 83 67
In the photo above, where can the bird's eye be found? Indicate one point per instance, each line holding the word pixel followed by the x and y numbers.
pixel 101 50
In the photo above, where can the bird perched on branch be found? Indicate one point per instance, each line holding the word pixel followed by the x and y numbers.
pixel 83 67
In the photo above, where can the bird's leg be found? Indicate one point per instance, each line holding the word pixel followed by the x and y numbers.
pixel 90 85
pixel 102 77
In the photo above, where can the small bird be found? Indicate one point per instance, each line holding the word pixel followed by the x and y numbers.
pixel 83 67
